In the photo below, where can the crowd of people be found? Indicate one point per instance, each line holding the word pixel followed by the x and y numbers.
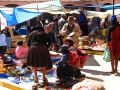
pixel 62 35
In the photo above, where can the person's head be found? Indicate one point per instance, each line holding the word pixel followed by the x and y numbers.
pixel 69 42
pixel 38 28
pixel 7 27
pixel 55 19
pixel 64 16
pixel 20 43
pixel 64 49
pixel 55 47
pixel 100 40
pixel 48 28
pixel 113 20
pixel 71 19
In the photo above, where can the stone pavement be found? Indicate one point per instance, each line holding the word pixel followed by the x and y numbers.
pixel 97 69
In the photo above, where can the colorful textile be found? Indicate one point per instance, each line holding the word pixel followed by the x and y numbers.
pixel 21 52
pixel 115 43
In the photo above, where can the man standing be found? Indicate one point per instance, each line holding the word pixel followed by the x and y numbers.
pixel 71 29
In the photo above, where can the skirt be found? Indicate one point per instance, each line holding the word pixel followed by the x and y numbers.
pixel 115 49
pixel 39 56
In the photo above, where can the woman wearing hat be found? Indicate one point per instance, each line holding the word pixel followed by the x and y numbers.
pixel 71 29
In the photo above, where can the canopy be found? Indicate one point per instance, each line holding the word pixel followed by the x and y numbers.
pixel 49 6
pixel 3 22
pixel 19 15
pixel 116 12
pixel 91 14
pixel 109 7
pixel 7 10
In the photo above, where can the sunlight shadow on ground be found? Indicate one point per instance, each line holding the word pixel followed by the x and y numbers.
pixel 91 61
pixel 94 78
pixel 95 72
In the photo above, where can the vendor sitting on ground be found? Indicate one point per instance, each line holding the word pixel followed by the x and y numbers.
pixel 21 53
pixel 82 54
pixel 68 65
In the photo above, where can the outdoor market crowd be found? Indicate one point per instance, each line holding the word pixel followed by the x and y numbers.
pixel 62 35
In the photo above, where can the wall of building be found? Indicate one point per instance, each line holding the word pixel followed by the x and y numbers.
pixel 64 2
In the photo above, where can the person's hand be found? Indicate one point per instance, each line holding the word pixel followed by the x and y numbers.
pixel 71 34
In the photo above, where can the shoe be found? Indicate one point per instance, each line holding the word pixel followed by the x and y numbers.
pixel 45 81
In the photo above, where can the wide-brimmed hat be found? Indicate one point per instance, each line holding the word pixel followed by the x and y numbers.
pixel 71 18
pixel 69 38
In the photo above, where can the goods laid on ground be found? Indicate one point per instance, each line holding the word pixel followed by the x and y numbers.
pixel 88 85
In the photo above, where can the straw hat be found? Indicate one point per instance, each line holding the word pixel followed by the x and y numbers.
pixel 71 18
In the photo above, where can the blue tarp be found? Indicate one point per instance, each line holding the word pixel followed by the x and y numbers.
pixel 8 17
pixel 19 15
pixel 109 7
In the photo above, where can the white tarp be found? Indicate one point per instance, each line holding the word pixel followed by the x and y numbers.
pixel 7 10
pixel 3 22
pixel 116 12
pixel 91 14
pixel 49 7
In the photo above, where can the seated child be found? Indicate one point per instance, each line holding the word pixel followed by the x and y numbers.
pixel 21 52
pixel 68 65
pixel 55 47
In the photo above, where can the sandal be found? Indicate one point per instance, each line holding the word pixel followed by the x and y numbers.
pixel 45 81
pixel 116 73
pixel 36 83
pixel 35 86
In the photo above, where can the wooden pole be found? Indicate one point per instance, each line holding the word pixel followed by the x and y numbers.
pixel 113 7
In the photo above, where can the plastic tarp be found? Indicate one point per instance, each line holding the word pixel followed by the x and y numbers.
pixel 19 15
pixel 116 12
pixel 109 7
pixel 7 10
pixel 8 17
pixel 3 22
pixel 49 7
pixel 91 14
